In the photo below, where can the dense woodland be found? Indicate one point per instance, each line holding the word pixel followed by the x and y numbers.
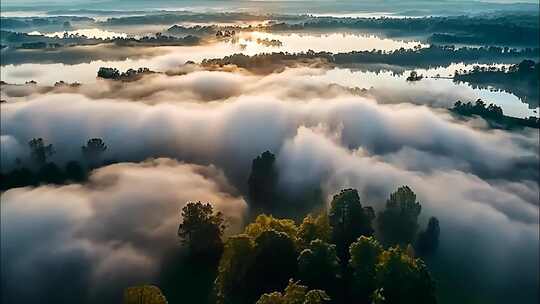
pixel 493 115
pixel 419 57
pixel 334 256
pixel 522 80
pixel 39 169
pixel 482 30
pixel 507 30
pixel 25 41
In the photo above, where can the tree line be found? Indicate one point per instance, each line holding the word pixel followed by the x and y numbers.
pixel 343 255
pixel 420 57
pixel 39 169
pixel 494 115
pixel 522 80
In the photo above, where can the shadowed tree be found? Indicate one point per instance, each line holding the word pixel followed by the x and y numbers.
pixel 93 151
pixel 349 220
pixel 39 151
pixel 18 178
pixel 262 183
pixel 275 262
pixel 295 294
pixel 313 228
pixel 428 240
pixel 364 257
pixel 398 223
pixel 402 279
pixel 50 173
pixel 318 267
pixel 201 229
pixel 237 259
pixel 75 172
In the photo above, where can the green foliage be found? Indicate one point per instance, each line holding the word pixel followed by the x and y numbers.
pixel 201 229
pixel 295 294
pixel 404 279
pixel 237 258
pixel 254 264
pixel 398 223
pixel 349 220
pixel 275 262
pixel 258 263
pixel 364 258
pixel 144 294
pixel 318 266
pixel 265 222
pixel 314 228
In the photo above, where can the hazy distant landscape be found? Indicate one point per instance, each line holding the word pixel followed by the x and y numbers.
pixel 269 152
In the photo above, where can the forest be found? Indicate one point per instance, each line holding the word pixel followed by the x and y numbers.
pixel 269 152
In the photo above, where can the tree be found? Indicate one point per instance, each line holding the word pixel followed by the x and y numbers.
pixel 318 266
pixel 265 222
pixel 39 151
pixel 295 294
pixel 108 73
pixel 93 150
pixel 262 183
pixel 144 294
pixel 398 223
pixel 275 262
pixel 428 240
pixel 404 279
pixel 231 282
pixel 349 220
pixel 313 228
pixel 364 257
pixel 75 172
pixel 50 173
pixel 201 229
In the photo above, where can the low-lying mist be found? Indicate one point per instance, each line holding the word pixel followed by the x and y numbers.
pixel 116 229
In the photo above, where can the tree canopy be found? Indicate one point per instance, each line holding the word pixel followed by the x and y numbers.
pixel 262 183
pixel 398 223
pixel 349 220
pixel 201 229
pixel 295 293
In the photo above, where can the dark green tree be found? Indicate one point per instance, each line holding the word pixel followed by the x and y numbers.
pixel 428 240
pixel 39 151
pixel 93 150
pixel 75 172
pixel 50 173
pixel 201 229
pixel 232 280
pixel 364 258
pixel 398 223
pixel 262 183
pixel 274 263
pixel 349 220
pixel 318 267
pixel 402 279
pixel 313 228
pixel 295 294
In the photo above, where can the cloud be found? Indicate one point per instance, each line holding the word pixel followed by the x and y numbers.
pixel 482 184
pixel 489 231
pixel 87 242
